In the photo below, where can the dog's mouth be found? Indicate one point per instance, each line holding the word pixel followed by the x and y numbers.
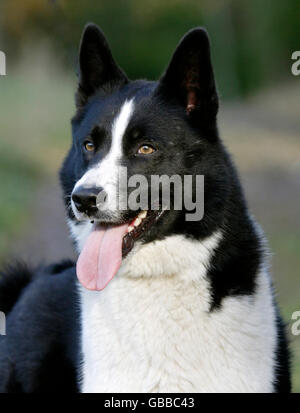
pixel 138 227
pixel 101 256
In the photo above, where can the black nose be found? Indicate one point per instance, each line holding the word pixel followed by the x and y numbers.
pixel 85 199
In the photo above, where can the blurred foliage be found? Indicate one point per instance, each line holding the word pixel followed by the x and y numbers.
pixel 35 108
pixel 17 185
pixel 252 41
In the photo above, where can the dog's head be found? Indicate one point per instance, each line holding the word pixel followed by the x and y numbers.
pixel 136 130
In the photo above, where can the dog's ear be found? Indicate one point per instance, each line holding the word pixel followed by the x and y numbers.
pixel 97 68
pixel 189 78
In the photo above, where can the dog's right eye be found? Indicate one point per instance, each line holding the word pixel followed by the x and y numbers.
pixel 146 150
pixel 89 146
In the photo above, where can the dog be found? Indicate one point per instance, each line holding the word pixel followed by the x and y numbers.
pixel 163 303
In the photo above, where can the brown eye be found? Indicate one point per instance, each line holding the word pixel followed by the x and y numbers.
pixel 146 150
pixel 89 146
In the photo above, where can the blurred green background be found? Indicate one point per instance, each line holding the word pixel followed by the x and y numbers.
pixel 252 44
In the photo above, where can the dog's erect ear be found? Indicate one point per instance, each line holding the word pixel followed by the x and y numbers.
pixel 97 68
pixel 189 78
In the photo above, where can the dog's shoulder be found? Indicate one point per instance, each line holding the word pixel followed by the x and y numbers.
pixel 40 349
pixel 13 280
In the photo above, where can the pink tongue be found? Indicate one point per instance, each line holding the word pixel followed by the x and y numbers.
pixel 101 256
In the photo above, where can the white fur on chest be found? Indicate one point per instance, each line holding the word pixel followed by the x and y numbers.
pixel 156 334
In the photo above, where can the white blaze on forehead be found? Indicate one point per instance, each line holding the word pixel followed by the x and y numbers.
pixel 119 127
pixel 105 173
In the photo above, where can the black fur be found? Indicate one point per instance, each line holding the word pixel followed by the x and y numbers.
pixel 40 351
pixel 177 116
pixel 282 382
pixel 13 280
pixel 95 58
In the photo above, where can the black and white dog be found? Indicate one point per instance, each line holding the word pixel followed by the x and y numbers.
pixel 164 304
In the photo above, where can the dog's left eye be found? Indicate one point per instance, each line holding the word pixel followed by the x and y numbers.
pixel 146 150
pixel 89 146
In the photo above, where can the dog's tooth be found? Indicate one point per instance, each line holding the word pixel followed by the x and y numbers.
pixel 130 228
pixel 137 222
pixel 143 214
